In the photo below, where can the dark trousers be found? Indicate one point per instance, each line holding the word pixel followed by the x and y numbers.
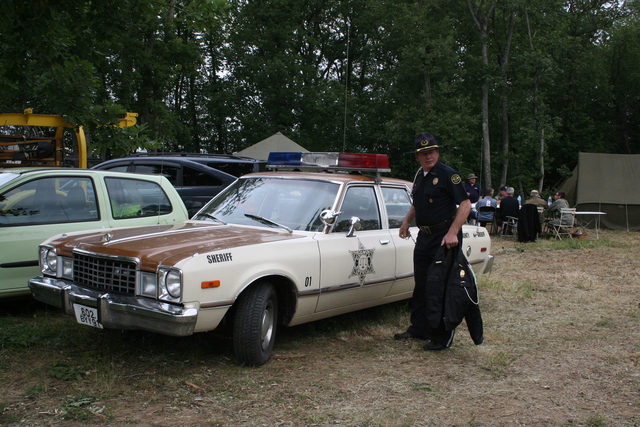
pixel 423 255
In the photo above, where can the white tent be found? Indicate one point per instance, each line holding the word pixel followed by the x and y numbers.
pixel 275 143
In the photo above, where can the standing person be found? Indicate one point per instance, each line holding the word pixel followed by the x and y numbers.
pixel 437 189
pixel 472 188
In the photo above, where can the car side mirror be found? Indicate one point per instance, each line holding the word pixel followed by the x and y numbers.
pixel 328 217
pixel 355 225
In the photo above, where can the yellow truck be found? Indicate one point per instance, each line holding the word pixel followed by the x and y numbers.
pixel 44 150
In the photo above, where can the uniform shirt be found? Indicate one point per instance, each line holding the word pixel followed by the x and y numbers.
pixel 473 190
pixel 436 194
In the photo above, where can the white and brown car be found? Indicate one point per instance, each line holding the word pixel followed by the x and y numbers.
pixel 274 248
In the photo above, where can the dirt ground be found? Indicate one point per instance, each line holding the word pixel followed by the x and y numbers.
pixel 562 349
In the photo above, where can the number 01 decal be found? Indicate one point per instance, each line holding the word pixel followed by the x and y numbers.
pixel 307 282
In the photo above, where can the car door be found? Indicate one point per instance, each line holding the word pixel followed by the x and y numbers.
pixel 200 184
pixel 136 202
pixel 397 202
pixel 34 211
pixel 358 269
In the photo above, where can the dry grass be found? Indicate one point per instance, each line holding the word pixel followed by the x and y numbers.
pixel 563 346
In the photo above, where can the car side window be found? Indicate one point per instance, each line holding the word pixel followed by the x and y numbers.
pixel 169 172
pixel 122 168
pixel 195 178
pixel 397 202
pixel 360 202
pixel 235 169
pixel 136 198
pixel 49 201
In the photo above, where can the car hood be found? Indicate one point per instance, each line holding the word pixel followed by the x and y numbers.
pixel 168 244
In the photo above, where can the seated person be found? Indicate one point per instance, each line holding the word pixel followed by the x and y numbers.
pixel 554 211
pixel 535 199
pixel 488 200
pixel 509 205
pixel 502 193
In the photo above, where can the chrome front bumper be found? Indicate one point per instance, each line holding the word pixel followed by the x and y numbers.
pixel 117 311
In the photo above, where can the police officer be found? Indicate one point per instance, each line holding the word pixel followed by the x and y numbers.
pixel 437 189
pixel 473 188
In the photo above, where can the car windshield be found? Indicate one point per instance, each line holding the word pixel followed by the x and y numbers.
pixel 272 202
pixel 7 176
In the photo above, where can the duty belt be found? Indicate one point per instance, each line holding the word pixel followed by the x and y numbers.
pixel 431 229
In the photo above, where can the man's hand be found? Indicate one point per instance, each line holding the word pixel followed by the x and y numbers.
pixel 404 228
pixel 404 231
pixel 450 240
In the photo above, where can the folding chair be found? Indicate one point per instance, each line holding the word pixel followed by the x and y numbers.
pixel 492 211
pixel 564 226
pixel 509 226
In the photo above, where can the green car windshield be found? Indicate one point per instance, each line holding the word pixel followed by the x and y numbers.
pixel 271 202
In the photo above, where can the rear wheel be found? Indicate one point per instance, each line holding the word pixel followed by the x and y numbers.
pixel 254 328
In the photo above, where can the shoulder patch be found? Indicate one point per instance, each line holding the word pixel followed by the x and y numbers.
pixel 455 178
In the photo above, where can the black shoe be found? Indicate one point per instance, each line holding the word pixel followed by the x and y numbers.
pixel 433 346
pixel 406 336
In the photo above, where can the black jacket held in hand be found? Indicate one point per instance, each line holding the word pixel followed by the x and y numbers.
pixel 452 293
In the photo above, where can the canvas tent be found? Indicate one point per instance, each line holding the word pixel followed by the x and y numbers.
pixel 605 183
pixel 275 143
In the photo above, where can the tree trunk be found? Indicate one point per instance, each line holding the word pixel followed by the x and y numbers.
pixel 481 22
pixel 536 120
pixel 505 100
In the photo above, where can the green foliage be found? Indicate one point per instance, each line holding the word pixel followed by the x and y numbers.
pixel 82 399
pixel 77 407
pixel 62 371
pixel 349 75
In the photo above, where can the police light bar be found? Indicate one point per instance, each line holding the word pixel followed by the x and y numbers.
pixel 332 161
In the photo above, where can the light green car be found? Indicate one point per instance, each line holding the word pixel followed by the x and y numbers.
pixel 37 203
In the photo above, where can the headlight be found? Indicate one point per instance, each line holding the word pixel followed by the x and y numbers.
pixel 169 284
pixel 48 260
pixel 174 283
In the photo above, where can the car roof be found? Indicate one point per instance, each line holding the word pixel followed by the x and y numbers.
pixel 196 157
pixel 30 171
pixel 344 178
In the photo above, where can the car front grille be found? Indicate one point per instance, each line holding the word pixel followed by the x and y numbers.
pixel 107 274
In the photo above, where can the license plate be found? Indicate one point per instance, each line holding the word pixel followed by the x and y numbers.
pixel 87 315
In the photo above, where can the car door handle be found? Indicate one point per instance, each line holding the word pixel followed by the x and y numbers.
pixel 384 241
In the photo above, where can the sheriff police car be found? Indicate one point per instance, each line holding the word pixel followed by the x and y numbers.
pixel 274 248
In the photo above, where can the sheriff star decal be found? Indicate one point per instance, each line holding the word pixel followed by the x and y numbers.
pixel 362 262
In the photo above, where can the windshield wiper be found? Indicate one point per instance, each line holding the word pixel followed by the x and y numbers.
pixel 268 221
pixel 208 215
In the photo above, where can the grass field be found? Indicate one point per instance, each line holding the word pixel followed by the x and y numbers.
pixel 562 328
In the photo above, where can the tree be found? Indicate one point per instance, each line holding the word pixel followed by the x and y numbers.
pixel 481 19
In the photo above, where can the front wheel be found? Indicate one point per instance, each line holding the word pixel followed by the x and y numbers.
pixel 254 328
